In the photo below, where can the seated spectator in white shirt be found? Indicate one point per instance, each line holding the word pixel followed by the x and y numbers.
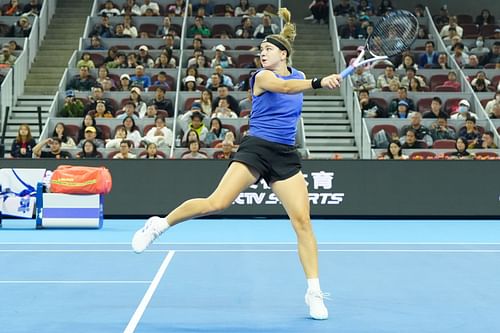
pixel 363 79
pixel 384 80
pixel 109 9
pixel 148 4
pixel 125 153
pixel 223 110
pixel 451 24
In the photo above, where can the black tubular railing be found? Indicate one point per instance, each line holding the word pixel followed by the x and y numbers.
pixel 39 112
pixel 4 131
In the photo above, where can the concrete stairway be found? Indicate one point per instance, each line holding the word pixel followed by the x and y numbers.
pixel 327 127
pixel 61 41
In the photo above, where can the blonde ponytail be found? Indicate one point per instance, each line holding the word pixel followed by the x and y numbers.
pixel 289 31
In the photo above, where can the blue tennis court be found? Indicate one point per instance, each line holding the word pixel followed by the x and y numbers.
pixel 244 276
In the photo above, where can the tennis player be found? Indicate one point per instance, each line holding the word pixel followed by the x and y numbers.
pixel 268 152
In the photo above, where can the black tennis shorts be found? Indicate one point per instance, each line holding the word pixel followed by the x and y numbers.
pixel 273 161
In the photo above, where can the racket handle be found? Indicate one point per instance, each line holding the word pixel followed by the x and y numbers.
pixel 348 71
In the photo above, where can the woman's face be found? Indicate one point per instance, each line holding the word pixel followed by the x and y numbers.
pixel 394 148
pixel 88 121
pixel 194 146
pixel 201 61
pixel 159 123
pixel 408 61
pixel 102 73
pixel 271 55
pixel 414 84
pixel 192 72
pixel 190 86
pixel 192 136
pixel 460 145
pixel 100 108
pixel 23 131
pixel 60 129
pixel 215 125
pixel 88 147
pixel 134 96
pixel 152 150
pixel 121 133
pixel 163 58
pixel 86 56
pixel 205 96
pixel 128 123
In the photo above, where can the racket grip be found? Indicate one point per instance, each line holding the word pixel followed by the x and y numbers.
pixel 348 71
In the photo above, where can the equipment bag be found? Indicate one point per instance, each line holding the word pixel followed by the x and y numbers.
pixel 81 180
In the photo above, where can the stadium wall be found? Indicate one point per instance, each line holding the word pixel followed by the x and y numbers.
pixel 338 189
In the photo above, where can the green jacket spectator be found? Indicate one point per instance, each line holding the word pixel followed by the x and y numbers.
pixel 199 28
pixel 72 107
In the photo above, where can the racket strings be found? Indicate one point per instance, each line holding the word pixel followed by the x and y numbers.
pixel 393 35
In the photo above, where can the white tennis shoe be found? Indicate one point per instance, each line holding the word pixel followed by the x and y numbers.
pixel 152 229
pixel 317 309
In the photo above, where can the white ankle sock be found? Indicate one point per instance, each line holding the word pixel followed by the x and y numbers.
pixel 313 284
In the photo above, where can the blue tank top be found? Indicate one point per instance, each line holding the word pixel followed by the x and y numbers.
pixel 274 115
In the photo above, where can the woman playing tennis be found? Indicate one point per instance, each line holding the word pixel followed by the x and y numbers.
pixel 268 152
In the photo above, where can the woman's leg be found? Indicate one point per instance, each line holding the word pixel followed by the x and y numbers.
pixel 292 193
pixel 236 179
pixel 294 197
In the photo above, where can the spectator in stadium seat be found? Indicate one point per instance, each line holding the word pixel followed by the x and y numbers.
pixel 452 81
pixel 103 77
pixel 480 85
pixel 54 152
pixel 85 61
pixel 177 8
pixel 430 57
pixel 148 4
pixel 151 111
pixel 23 144
pixel 83 81
pixel 101 111
pixel 352 29
pixel 128 27
pixel 365 7
pixel 402 111
pixel 216 131
pixel 109 9
pixel 205 103
pixel 139 104
pixel 144 58
pixel 165 60
pixel 98 95
pixel 369 108
pixel 452 23
pixel 32 8
pixel 161 102
pixel 193 71
pixel 89 150
pixel 13 46
pixel 133 133
pixel 411 74
pixel 169 41
pixel 13 8
pixel 199 27
pixel 22 28
pixel 319 11
pixel 160 134
pixel 194 151
pixel 140 78
pixel 206 5
pixel 242 8
pixel 479 47
pixel 485 18
pixel 463 111
pixel 227 152
pixel 394 151
pixel 103 29
pixel 470 131
pixel 223 110
pixel 90 134
pixel 414 85
pixel 384 80
pixel 87 121
pixel 124 153
pixel 363 79
pixel 95 44
pixel 494 112
pixel 266 28
pixel 120 135
pixel 193 120
pixel 461 152
pixel 246 103
pixel 443 17
pixel 220 58
pixel 226 80
pixel 6 57
pixel 410 140
pixel 493 57
pixel 245 29
pixel 189 84
pixel 442 62
pixel 436 109
pixel 119 32
pixel 129 111
pixel 125 84
pixel 385 7
pixel 223 92
pixel 495 100
pixel 192 60
pixel 408 62
pixel 485 142
pixel 440 129
pixel 422 133
pixel 214 82
pixel 459 55
pixel 152 152
pixel 166 28
pixel 402 96
pixel 60 132
pixel 131 8
pixel 473 62
pixel 344 8
pixel 161 80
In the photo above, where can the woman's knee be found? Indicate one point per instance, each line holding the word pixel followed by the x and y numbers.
pixel 218 204
pixel 302 223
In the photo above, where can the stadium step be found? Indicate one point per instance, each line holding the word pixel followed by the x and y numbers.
pixel 26 112
pixel 61 40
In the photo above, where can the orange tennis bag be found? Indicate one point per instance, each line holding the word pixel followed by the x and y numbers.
pixel 81 180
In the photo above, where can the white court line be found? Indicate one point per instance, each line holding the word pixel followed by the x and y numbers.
pixel 254 243
pixel 72 282
pixel 265 250
pixel 132 324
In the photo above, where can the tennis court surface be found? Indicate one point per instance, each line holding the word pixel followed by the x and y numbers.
pixel 244 276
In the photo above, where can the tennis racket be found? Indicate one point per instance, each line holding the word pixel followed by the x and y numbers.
pixel 392 35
